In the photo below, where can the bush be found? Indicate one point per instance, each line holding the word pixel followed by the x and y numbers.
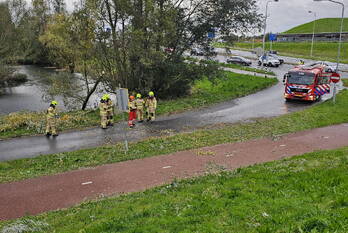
pixel 17 78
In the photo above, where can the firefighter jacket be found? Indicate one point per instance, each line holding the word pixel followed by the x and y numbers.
pixel 151 104
pixel 110 107
pixel 132 106
pixel 139 103
pixel 103 108
pixel 51 112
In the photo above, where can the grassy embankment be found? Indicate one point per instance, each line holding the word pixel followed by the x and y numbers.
pixel 234 66
pixel 321 25
pixel 204 93
pixel 319 115
pixel 322 50
pixel 307 193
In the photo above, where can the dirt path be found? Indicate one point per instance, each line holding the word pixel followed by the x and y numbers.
pixel 47 193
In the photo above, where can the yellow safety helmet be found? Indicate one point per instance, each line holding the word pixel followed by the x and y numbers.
pixel 151 94
pixel 138 96
pixel 54 102
pixel 106 97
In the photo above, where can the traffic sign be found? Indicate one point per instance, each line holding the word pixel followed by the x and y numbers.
pixel 335 78
pixel 272 37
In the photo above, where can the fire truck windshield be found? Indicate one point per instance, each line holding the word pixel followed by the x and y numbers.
pixel 301 78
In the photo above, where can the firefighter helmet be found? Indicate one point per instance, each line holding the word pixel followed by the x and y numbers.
pixel 151 94
pixel 138 96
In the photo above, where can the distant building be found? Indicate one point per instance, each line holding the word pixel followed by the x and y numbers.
pixel 303 37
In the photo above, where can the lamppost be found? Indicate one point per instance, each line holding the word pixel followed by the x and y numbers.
pixel 340 41
pixel 315 19
pixel 265 24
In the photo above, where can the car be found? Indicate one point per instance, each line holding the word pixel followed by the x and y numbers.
pixel 281 60
pixel 210 51
pixel 273 52
pixel 329 67
pixel 197 52
pixel 239 60
pixel 169 50
pixel 268 61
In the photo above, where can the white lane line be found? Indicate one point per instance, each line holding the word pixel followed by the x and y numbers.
pixel 86 183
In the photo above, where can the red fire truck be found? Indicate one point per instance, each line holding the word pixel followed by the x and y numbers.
pixel 306 83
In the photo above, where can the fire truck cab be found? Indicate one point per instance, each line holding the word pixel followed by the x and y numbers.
pixel 307 84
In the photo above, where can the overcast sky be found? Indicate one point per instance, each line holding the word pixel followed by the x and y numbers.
pixel 286 14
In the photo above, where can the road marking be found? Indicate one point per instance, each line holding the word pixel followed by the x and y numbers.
pixel 326 137
pixel 86 183
pixel 166 167
pixel 282 145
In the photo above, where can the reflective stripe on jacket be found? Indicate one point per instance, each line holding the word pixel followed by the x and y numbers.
pixel 139 103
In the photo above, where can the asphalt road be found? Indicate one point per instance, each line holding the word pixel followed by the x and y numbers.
pixel 266 103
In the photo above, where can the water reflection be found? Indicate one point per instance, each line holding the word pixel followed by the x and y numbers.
pixel 34 94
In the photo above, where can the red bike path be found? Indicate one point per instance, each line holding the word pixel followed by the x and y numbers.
pixel 38 195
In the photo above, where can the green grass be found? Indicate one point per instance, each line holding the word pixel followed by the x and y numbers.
pixel 321 25
pixel 204 92
pixel 319 115
pixel 308 193
pixel 345 82
pixel 321 51
pixel 255 70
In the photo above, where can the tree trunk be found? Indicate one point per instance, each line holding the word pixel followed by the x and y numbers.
pixel 90 93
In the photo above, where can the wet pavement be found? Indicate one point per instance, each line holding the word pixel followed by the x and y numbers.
pixel 266 103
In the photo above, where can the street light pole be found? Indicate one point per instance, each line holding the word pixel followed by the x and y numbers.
pixel 315 19
pixel 265 24
pixel 340 40
pixel 339 43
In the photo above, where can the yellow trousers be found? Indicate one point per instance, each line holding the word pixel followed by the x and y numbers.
pixel 51 126
pixel 140 114
pixel 103 120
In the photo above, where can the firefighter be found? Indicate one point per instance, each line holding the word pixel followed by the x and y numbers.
pixel 109 111
pixel 151 105
pixel 51 115
pixel 139 103
pixel 132 111
pixel 103 107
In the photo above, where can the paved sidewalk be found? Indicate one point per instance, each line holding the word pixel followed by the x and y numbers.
pixel 34 196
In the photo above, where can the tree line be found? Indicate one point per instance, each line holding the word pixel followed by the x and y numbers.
pixel 137 44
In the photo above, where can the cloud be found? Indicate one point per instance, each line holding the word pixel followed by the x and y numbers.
pixel 286 14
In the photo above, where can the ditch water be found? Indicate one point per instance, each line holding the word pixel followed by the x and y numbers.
pixel 33 95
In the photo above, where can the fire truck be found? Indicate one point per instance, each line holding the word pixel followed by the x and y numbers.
pixel 307 83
